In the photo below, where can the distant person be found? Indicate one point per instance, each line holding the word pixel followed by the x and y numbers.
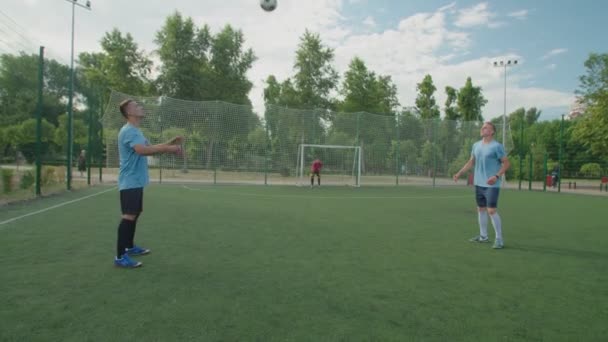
pixel 133 177
pixel 82 162
pixel 555 176
pixel 315 169
pixel 490 161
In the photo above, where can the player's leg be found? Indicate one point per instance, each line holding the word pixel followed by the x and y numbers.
pixel 132 248
pixel 492 211
pixel 319 178
pixel 312 179
pixel 126 227
pixel 482 215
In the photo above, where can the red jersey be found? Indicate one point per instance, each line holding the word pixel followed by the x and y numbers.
pixel 316 166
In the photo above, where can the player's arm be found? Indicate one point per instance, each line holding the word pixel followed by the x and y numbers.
pixel 178 140
pixel 148 150
pixel 469 164
pixel 504 167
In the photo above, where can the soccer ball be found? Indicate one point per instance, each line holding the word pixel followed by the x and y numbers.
pixel 268 5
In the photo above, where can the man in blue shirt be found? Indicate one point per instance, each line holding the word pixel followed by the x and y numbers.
pixel 490 161
pixel 133 149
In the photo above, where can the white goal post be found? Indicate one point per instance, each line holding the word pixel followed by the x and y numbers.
pixel 341 164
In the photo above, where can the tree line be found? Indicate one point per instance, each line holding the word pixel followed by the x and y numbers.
pixel 198 65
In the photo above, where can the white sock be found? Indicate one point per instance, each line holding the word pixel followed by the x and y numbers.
pixel 483 223
pixel 497 225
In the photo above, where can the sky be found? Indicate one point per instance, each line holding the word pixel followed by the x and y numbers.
pixel 405 39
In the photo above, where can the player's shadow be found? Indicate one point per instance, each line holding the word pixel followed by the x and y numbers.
pixel 559 251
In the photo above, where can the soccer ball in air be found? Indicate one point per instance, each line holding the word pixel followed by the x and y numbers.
pixel 268 5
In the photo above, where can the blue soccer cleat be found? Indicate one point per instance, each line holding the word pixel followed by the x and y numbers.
pixel 126 262
pixel 136 250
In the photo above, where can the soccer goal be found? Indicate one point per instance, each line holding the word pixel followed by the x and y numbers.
pixel 341 164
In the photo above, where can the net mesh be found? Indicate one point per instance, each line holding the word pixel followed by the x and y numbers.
pixel 227 143
pixel 340 164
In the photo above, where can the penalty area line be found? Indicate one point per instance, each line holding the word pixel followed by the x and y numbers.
pixel 54 207
pixel 330 197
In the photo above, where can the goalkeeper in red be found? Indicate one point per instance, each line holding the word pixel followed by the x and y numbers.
pixel 315 169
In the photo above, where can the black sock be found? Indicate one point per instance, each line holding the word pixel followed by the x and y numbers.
pixel 319 180
pixel 312 180
pixel 131 242
pixel 124 233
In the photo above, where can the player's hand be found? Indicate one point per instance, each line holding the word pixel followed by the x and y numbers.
pixel 492 180
pixel 179 151
pixel 456 176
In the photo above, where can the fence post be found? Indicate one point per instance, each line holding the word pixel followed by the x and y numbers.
pixel 39 120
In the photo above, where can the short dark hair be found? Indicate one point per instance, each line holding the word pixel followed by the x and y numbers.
pixel 492 125
pixel 123 106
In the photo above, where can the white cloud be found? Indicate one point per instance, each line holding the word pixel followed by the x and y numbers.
pixel 447 7
pixel 553 52
pixel 478 15
pixel 521 14
pixel 369 22
pixel 420 44
pixel 552 66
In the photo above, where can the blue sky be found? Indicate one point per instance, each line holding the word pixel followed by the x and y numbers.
pixel 405 39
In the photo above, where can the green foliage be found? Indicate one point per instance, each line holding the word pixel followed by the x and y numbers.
pixel 315 77
pixel 27 179
pixel 591 130
pixel 470 102
pixel 591 170
pixel 364 91
pixel 51 175
pixel 7 180
pixel 425 102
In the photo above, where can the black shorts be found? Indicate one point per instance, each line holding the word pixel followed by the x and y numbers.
pixel 132 201
pixel 313 173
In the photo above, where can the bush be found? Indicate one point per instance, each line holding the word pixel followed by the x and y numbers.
pixel 7 180
pixel 591 170
pixel 49 176
pixel 27 180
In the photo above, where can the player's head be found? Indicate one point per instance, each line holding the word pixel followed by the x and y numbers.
pixel 488 129
pixel 131 110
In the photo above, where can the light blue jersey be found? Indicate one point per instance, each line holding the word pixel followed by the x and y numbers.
pixel 133 170
pixel 487 162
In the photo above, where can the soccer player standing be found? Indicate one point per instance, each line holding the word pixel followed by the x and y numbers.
pixel 133 177
pixel 490 161
pixel 315 169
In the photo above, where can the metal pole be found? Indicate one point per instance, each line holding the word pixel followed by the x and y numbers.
pixel 70 109
pixel 559 162
pixel 521 152
pixel 39 121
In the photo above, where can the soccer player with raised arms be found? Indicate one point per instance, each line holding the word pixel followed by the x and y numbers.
pixel 133 148
pixel 490 161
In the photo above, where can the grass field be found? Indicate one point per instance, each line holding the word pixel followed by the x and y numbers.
pixel 254 263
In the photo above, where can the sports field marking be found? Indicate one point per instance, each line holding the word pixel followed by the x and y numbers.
pixel 54 207
pixel 330 197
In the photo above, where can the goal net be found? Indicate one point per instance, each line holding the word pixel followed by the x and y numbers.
pixel 341 164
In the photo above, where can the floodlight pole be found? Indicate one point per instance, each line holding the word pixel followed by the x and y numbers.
pixel 70 124
pixel 504 64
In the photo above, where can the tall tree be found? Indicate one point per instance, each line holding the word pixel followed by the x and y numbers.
pixel 315 77
pixel 471 102
pixel 451 111
pixel 230 63
pixel 183 50
pixel 18 84
pixel 592 130
pixel 364 91
pixel 425 101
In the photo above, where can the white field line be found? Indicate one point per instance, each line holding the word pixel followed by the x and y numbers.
pixel 333 197
pixel 54 207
